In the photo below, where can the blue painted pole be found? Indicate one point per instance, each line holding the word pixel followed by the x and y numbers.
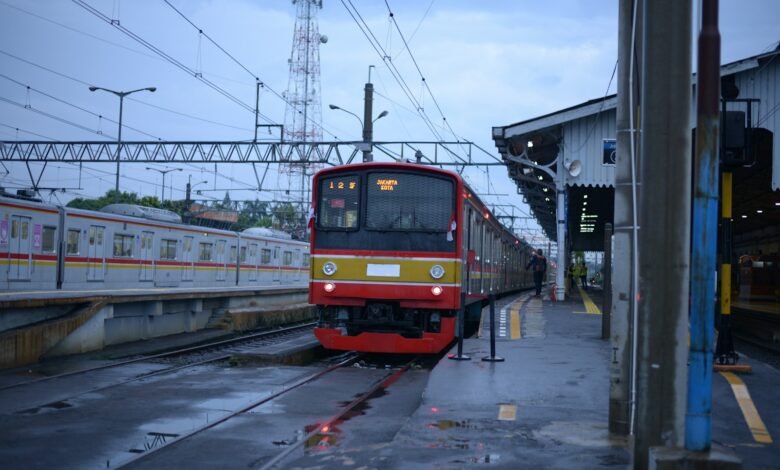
pixel 698 420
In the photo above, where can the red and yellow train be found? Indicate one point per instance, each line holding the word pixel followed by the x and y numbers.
pixel 393 247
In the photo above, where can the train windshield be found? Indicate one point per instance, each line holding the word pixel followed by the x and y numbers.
pixel 408 202
pixel 339 202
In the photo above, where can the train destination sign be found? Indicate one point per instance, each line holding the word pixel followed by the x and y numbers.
pixel 386 184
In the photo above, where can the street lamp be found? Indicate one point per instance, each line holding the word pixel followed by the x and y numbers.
pixel 189 188
pixel 367 130
pixel 162 196
pixel 121 95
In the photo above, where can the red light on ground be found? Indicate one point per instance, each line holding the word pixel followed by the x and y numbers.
pixel 326 429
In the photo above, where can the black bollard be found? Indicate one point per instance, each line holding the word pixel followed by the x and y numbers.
pixel 492 357
pixel 461 321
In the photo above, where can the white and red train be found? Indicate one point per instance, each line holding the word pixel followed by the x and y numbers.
pixel 47 247
pixel 395 247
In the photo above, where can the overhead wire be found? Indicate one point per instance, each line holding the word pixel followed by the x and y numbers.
pixel 28 87
pixel 387 60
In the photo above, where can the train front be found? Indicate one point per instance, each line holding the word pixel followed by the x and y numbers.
pixel 385 271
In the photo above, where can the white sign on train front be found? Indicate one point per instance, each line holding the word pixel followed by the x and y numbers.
pixel 383 270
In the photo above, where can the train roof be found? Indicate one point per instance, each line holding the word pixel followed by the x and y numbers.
pixel 143 212
pixel 267 232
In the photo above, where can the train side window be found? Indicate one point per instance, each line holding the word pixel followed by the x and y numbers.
pixel 123 245
pixel 265 255
pixel 25 230
pixel 276 252
pixel 167 249
pixel 204 251
pixel 287 258
pixel 243 254
pixel 306 260
pixel 73 241
pixel 48 239
pixel 253 252
pixel 232 253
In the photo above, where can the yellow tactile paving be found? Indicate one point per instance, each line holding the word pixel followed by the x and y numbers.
pixel 749 411
pixel 590 307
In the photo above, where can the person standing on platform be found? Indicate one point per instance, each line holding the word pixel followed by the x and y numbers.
pixel 539 264
pixel 584 276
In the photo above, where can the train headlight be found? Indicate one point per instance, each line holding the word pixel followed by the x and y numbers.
pixel 436 290
pixel 329 287
pixel 437 271
pixel 329 268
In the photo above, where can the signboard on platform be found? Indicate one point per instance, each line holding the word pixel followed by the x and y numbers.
pixel 609 152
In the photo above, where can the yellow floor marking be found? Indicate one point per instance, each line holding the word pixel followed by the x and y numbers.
pixel 753 420
pixel 515 323
pixel 590 307
pixel 507 412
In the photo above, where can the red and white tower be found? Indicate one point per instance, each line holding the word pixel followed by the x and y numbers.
pixel 303 115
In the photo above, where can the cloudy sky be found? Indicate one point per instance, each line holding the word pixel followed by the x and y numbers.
pixel 487 63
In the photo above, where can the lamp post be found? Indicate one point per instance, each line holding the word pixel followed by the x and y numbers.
pixel 367 130
pixel 162 196
pixel 121 95
pixel 189 188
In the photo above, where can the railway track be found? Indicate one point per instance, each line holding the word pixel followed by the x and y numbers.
pixel 183 358
pixel 322 428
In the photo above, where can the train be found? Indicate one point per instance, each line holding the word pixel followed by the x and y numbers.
pixel 397 249
pixel 46 247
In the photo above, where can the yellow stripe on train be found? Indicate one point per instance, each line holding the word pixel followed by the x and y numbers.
pixel 386 269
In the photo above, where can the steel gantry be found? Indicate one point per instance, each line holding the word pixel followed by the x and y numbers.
pixel 458 154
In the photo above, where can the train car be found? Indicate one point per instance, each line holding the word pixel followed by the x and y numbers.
pixel 124 246
pixel 397 249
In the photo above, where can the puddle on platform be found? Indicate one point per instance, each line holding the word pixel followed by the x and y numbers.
pixel 444 424
pixel 489 458
pixel 57 405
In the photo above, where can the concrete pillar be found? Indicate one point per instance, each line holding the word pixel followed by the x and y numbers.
pixel 664 220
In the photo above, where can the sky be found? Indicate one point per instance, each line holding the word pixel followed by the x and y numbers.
pixel 486 63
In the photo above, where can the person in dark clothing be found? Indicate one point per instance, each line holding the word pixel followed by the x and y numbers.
pixel 539 264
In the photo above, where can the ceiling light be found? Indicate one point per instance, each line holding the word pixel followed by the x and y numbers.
pixel 540 177
pixel 584 203
pixel 744 216
pixel 759 211
pixel 584 196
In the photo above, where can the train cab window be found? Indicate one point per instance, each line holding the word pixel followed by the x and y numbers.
pixel 405 201
pixel 167 249
pixel 287 260
pixel 47 245
pixel 242 255
pixel 306 260
pixel 265 256
pixel 339 202
pixel 123 245
pixel 73 241
pixel 204 251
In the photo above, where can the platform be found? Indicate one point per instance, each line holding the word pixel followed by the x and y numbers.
pixel 546 405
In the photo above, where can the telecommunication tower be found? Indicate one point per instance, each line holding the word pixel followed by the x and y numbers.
pixel 303 114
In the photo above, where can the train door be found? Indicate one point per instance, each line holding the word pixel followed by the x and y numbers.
pixel 220 260
pixel 298 267
pixel 276 266
pixel 147 263
pixel 96 254
pixel 252 263
pixel 233 262
pixel 187 259
pixel 21 248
